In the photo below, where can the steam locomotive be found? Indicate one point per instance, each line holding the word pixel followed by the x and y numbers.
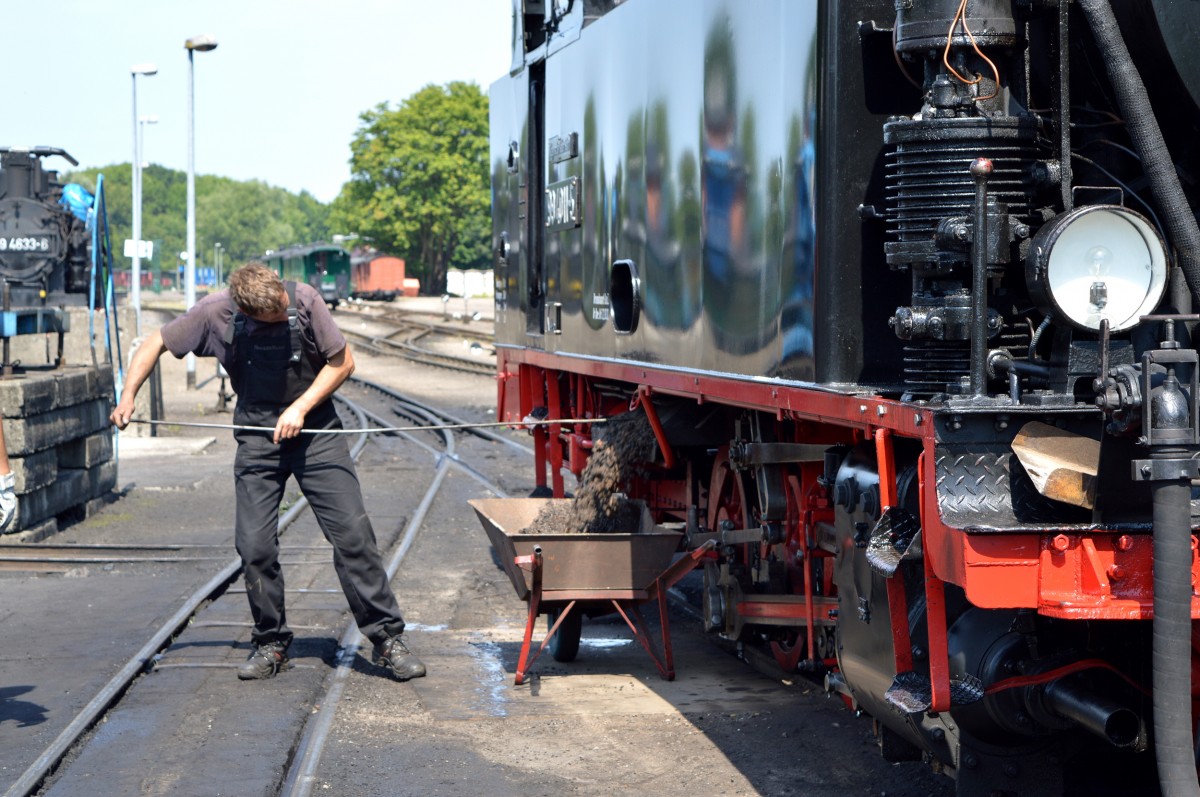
pixel 44 245
pixel 906 290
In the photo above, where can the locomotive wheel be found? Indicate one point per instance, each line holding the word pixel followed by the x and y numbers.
pixel 728 503
pixel 727 494
pixel 564 645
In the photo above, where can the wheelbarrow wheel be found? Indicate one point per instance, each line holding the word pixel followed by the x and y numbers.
pixel 564 645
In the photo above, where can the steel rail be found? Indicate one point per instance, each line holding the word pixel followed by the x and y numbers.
pixel 453 457
pixel 42 767
pixel 302 772
pixel 474 428
pixel 398 318
pixel 418 354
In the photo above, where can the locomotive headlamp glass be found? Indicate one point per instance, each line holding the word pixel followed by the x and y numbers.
pixel 1098 262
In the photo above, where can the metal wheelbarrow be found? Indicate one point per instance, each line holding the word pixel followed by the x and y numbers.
pixel 566 575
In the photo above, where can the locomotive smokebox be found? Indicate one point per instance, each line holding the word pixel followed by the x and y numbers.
pixel 43 247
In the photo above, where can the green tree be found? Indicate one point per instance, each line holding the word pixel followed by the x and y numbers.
pixel 419 181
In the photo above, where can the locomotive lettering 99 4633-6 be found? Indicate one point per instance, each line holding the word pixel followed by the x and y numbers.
pixel 907 291
pixel 44 245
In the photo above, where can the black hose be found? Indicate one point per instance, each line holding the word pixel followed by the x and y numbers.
pixel 1172 649
pixel 1147 138
pixel 1172 516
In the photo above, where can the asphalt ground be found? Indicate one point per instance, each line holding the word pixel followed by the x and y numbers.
pixel 606 724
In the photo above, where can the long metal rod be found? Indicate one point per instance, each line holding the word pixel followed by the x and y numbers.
pixel 384 430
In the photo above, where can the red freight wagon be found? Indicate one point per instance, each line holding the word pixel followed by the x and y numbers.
pixel 381 278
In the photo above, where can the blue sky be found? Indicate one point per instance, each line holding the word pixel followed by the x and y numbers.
pixel 279 98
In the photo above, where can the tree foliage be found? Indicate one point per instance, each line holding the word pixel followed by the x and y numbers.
pixel 419 181
pixel 246 217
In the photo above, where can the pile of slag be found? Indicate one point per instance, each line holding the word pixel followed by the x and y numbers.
pixel 600 505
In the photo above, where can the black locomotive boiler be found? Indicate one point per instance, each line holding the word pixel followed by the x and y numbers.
pixel 44 245
pixel 907 291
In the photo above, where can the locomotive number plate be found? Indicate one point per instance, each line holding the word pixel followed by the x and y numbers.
pixel 562 204
pixel 24 243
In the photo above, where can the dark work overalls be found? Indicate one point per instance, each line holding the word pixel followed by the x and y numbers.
pixel 272 368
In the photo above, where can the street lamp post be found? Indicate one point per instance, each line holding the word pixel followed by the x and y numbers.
pixel 203 43
pixel 142 122
pixel 135 288
pixel 217 262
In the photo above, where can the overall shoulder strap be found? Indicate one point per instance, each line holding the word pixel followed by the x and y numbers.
pixel 236 323
pixel 293 317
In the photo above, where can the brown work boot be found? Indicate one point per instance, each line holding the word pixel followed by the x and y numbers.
pixel 395 655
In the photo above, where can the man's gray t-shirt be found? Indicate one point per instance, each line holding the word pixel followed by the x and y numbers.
pixel 202 330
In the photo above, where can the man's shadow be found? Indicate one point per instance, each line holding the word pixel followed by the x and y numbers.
pixel 22 712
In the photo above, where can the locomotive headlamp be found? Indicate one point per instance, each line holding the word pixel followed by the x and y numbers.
pixel 1098 262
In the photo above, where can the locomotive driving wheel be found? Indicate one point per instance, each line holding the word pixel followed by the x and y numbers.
pixel 728 508
pixel 727 499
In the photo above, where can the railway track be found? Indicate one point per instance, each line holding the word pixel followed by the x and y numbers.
pixel 421 354
pixel 204 608
pixel 301 777
pixel 40 558
pixel 425 342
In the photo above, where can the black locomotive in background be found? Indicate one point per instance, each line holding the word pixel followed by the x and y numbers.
pixel 45 245
pixel 907 291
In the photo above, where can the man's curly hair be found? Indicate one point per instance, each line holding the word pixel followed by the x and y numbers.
pixel 257 290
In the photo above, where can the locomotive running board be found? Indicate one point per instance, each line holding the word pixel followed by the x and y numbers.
pixel 912 693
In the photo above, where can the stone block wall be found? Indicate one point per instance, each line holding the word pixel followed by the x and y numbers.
pixel 60 445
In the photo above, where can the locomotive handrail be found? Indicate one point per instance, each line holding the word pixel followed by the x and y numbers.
pixel 102 248
pixel 43 152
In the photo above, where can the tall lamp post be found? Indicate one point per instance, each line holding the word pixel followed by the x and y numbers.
pixel 217 262
pixel 135 288
pixel 203 43
pixel 149 119
pixel 136 292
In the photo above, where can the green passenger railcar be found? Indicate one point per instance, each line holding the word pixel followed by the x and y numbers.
pixel 324 266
